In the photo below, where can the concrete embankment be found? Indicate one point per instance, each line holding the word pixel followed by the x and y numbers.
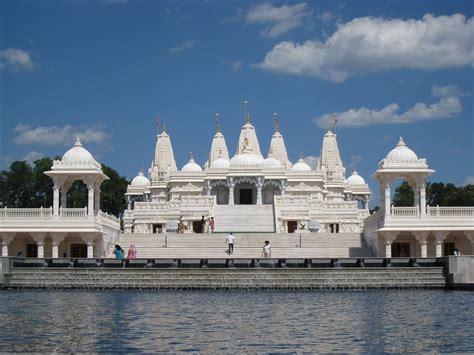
pixel 238 274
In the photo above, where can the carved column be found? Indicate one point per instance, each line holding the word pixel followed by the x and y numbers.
pixel 129 202
pixel 231 185
pixel 389 237
pixel 96 197
pixel 6 239
pixel 439 237
pixel 57 183
pixel 423 197
pixel 422 237
pixel 90 195
pixel 89 240
pixel 387 197
pixel 56 239
pixel 259 185
pixel 39 239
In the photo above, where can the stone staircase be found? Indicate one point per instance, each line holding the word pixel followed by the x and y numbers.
pixel 247 245
pixel 238 218
pixel 228 279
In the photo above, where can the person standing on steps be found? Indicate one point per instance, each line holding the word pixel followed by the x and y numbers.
pixel 212 225
pixel 230 243
pixel 132 251
pixel 267 250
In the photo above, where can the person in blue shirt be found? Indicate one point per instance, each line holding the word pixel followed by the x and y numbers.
pixel 118 252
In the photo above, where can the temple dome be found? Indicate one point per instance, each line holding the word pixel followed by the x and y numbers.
pixel 271 163
pixel 140 181
pixel 355 179
pixel 401 154
pixel 246 160
pixel 191 167
pixel 79 156
pixel 220 164
pixel 300 166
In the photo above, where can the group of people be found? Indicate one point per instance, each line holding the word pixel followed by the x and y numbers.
pixel 120 253
pixel 266 250
pixel 212 225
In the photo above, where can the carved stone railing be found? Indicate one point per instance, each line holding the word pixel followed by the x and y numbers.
pixel 73 212
pixel 450 211
pixel 26 212
pixel 339 204
pixel 108 220
pixel 405 212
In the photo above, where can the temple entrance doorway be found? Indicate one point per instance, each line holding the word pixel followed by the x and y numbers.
pixel 292 226
pixel 401 250
pixel 245 196
pixel 78 251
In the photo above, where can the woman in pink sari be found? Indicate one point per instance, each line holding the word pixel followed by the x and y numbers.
pixel 132 251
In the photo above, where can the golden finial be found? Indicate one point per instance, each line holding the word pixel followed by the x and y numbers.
pixel 218 122
pixel 157 121
pixel 246 114
pixel 276 122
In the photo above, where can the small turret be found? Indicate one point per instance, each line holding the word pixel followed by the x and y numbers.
pixel 277 145
pixel 218 146
pixel 330 163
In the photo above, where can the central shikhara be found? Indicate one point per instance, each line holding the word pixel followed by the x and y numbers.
pixel 247 193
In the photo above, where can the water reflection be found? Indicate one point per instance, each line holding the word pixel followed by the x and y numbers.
pixel 389 321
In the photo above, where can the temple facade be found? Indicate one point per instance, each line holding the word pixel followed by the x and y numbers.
pixel 247 192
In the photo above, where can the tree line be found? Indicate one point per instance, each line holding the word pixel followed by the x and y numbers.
pixel 26 186
pixel 437 194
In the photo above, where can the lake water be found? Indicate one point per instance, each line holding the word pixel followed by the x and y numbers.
pixel 122 321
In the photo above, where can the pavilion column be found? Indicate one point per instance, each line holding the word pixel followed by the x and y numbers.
pixel 129 202
pixel 231 185
pixel 6 239
pixel 39 239
pixel 90 195
pixel 389 237
pixel 89 240
pixel 259 185
pixel 422 239
pixel 96 198
pixel 423 197
pixel 57 184
pixel 56 239
pixel 439 237
pixel 387 198
pixel 416 192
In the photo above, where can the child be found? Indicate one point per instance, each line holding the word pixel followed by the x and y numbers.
pixel 267 250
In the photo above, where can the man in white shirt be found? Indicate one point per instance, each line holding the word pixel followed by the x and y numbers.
pixel 230 243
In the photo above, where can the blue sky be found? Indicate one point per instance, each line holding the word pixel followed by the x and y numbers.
pixel 104 69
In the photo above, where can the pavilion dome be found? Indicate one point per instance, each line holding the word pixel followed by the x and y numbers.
pixel 140 181
pixel 355 179
pixel 271 163
pixel 191 167
pixel 246 160
pixel 220 164
pixel 300 166
pixel 401 154
pixel 78 156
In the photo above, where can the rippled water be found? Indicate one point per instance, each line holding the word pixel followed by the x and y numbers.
pixel 378 321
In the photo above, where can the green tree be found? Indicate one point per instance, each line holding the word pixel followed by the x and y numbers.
pixel 403 196
pixel 42 184
pixel 112 199
pixel 18 185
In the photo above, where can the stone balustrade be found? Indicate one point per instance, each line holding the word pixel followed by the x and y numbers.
pixel 436 212
pixel 405 211
pixel 26 212
pixel 73 212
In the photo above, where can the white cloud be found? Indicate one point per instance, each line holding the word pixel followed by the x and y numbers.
pixel 373 44
pixel 278 19
pixel 312 161
pixel 355 117
pixel 355 160
pixel 16 59
pixel 448 90
pixel 236 66
pixel 58 135
pixel 469 180
pixel 31 157
pixel 187 44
